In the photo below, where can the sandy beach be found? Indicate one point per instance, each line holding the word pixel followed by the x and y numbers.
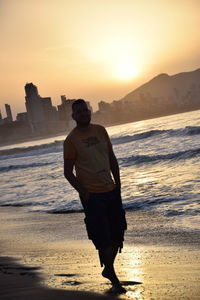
pixel 46 256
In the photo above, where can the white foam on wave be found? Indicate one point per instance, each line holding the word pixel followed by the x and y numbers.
pixel 24 166
pixel 57 146
pixel 141 159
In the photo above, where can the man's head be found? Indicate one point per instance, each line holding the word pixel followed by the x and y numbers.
pixel 80 112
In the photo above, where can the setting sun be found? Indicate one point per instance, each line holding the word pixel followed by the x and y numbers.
pixel 105 48
pixel 126 71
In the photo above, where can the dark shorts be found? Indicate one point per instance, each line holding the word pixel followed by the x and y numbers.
pixel 105 219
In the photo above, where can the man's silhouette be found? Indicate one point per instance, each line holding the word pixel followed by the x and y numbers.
pixel 89 150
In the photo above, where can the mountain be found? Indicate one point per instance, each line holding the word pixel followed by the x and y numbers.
pixel 165 86
pixel 162 95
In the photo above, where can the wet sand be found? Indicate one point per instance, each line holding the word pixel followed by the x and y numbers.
pixel 48 256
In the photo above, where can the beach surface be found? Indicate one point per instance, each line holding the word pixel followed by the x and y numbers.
pixel 48 256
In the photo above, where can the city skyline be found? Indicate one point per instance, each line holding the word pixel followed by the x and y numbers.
pixel 96 50
pixel 163 95
pixel 8 112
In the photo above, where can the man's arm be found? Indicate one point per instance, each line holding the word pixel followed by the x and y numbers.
pixel 69 175
pixel 114 166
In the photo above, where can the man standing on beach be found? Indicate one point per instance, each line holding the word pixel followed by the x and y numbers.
pixel 89 150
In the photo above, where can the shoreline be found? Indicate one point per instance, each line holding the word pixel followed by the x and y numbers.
pixel 31 139
pixel 35 138
pixel 157 261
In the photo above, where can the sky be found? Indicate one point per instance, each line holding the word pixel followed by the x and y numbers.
pixel 98 50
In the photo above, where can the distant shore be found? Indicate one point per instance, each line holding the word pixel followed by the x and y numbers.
pixel 34 138
pixel 56 260
pixel 46 136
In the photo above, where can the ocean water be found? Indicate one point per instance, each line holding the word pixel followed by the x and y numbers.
pixel 159 161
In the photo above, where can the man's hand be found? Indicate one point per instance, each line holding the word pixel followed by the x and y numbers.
pixel 68 172
pixel 85 196
pixel 118 186
pixel 115 169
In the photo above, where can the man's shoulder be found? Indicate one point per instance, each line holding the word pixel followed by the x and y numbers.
pixel 74 133
pixel 70 136
pixel 98 127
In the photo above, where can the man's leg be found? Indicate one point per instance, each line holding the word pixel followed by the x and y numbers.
pixel 98 228
pixel 108 256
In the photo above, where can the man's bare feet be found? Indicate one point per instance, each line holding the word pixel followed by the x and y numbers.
pixel 110 274
pixel 116 285
pixel 116 290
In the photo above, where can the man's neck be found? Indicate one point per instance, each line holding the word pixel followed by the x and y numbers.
pixel 83 127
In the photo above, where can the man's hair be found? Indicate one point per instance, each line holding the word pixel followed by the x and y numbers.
pixel 77 102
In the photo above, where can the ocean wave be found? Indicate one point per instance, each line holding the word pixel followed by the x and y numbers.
pixel 191 130
pixel 65 211
pixel 186 212
pixel 139 204
pixel 14 151
pixel 140 159
pixel 57 145
pixel 147 203
pixel 43 207
pixel 17 204
pixel 135 137
pixel 188 130
pixel 17 167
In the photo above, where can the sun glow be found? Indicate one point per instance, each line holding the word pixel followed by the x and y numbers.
pixel 126 71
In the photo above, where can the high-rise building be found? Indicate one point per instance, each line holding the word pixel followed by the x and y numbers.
pixel 40 110
pixel 22 117
pixel 63 99
pixel 8 113
pixel 31 91
pixel 33 106
pixel 65 109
